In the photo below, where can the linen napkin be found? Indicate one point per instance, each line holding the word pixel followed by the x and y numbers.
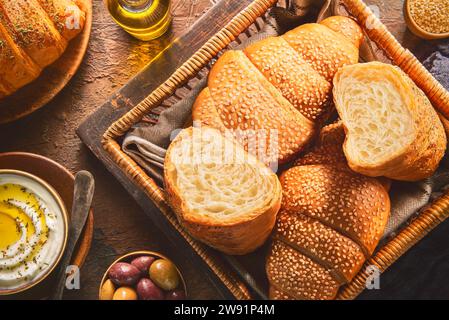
pixel 147 144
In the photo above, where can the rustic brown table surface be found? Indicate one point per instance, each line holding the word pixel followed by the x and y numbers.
pixel 112 59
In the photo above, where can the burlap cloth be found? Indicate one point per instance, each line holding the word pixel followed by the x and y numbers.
pixel 147 144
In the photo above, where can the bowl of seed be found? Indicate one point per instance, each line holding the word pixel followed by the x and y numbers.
pixel 427 19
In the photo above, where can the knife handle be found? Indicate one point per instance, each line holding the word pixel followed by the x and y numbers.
pixel 82 200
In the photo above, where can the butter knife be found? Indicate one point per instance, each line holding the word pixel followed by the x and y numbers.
pixel 82 200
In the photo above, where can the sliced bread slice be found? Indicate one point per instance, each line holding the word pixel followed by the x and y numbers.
pixel 391 128
pixel 222 195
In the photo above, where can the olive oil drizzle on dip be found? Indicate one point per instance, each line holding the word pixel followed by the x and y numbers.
pixel 29 240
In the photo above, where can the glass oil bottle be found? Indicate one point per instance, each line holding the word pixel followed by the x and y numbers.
pixel 144 19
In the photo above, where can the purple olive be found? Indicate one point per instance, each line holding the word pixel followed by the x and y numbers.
pixel 175 295
pixel 124 274
pixel 147 290
pixel 143 263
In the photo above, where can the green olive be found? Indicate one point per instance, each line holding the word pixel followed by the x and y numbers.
pixel 164 274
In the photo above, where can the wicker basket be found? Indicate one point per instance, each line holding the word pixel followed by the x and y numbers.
pixel 197 66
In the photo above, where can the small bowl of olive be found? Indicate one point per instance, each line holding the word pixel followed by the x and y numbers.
pixel 142 275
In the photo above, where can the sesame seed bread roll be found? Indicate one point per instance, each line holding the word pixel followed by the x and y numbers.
pixel 340 255
pixel 251 106
pixel 345 26
pixel 205 109
pixel 354 205
pixel 298 82
pixel 32 30
pixel 331 219
pixel 222 195
pixel 21 69
pixel 298 276
pixel 391 127
pixel 325 50
pixel 276 294
pixel 330 222
pixel 67 17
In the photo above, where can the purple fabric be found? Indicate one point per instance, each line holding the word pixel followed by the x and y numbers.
pixel 437 61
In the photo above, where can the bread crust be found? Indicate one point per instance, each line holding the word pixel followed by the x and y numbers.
pixel 231 237
pixel 420 158
pixel 298 82
pixel 21 69
pixel 204 108
pixel 325 50
pixel 327 247
pixel 249 105
pixel 350 203
pixel 33 30
pixel 346 27
pixel 276 294
pixel 298 276
pixel 59 11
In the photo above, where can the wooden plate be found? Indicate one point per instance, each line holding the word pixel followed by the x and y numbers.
pixel 62 180
pixel 52 80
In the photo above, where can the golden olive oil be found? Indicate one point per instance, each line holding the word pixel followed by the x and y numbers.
pixel 143 19
pixel 11 216
pixel 9 233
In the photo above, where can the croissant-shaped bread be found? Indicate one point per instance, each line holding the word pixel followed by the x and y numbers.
pixel 330 222
pixel 392 128
pixel 272 94
pixel 34 34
